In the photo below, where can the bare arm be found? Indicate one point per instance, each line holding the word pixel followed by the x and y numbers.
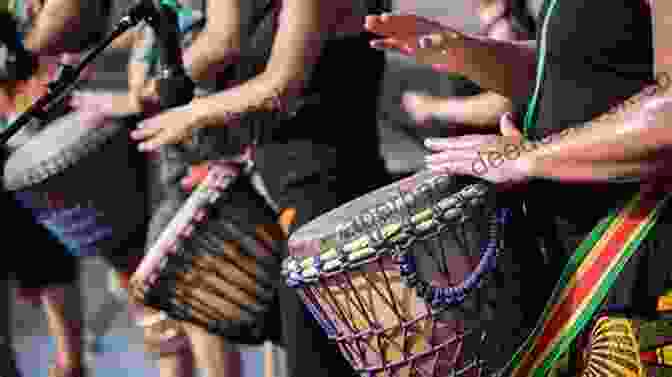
pixel 66 26
pixel 479 111
pixel 635 140
pixel 218 45
pixel 125 41
pixel 631 142
pixel 504 67
pixel 303 26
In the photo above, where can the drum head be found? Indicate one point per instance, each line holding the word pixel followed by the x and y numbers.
pixel 24 135
pixel 58 146
pixel 367 213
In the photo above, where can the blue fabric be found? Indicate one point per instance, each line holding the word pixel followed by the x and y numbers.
pixel 76 227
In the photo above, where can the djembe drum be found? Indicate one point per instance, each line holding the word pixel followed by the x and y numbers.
pixel 82 178
pixel 401 278
pixel 207 269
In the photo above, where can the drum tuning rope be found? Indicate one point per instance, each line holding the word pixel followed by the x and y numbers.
pixel 378 282
pixel 395 238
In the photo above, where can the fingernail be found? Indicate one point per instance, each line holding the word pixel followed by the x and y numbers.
pixel 142 147
pixel 425 42
pixel 440 67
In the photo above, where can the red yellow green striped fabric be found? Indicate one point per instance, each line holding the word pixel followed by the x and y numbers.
pixel 584 284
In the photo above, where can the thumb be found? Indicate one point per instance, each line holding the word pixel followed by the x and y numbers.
pixel 508 127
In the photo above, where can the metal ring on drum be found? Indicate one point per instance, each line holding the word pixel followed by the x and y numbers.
pixel 399 277
pixel 79 175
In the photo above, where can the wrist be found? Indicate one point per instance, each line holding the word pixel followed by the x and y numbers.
pixel 445 51
pixel 203 113
pixel 472 51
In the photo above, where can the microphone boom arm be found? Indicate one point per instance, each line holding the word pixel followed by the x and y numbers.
pixel 163 19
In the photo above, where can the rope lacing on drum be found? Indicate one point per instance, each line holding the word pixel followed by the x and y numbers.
pixel 449 211
pixel 200 304
pixel 359 334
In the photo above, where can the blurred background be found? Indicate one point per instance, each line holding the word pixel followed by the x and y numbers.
pixel 118 350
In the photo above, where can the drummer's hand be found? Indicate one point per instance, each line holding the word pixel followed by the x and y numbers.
pixel 169 127
pixel 406 33
pixel 495 158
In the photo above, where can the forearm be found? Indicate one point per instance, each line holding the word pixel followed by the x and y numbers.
pixel 209 56
pixel 221 109
pixel 65 26
pixel 633 142
pixel 481 111
pixel 125 41
pixel 504 67
pixel 218 45
pixel 303 26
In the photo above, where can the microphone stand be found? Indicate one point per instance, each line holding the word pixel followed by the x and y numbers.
pixel 173 81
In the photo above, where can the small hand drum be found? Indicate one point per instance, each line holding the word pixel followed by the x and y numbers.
pixel 80 176
pixel 399 277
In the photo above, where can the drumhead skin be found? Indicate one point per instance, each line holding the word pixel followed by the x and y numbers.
pixel 59 146
pixel 83 180
pixel 357 216
pixel 23 136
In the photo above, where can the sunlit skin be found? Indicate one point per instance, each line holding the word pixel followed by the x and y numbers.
pixel 302 30
pixel 303 27
pixel 57 19
pixel 602 150
pixel 505 67
pixel 482 110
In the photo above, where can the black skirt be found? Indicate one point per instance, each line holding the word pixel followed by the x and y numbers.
pixel 34 257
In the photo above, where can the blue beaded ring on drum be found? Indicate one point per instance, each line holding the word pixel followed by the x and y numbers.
pixel 402 279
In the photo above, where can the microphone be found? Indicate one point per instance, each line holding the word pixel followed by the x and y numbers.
pixel 16 63
pixel 175 87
